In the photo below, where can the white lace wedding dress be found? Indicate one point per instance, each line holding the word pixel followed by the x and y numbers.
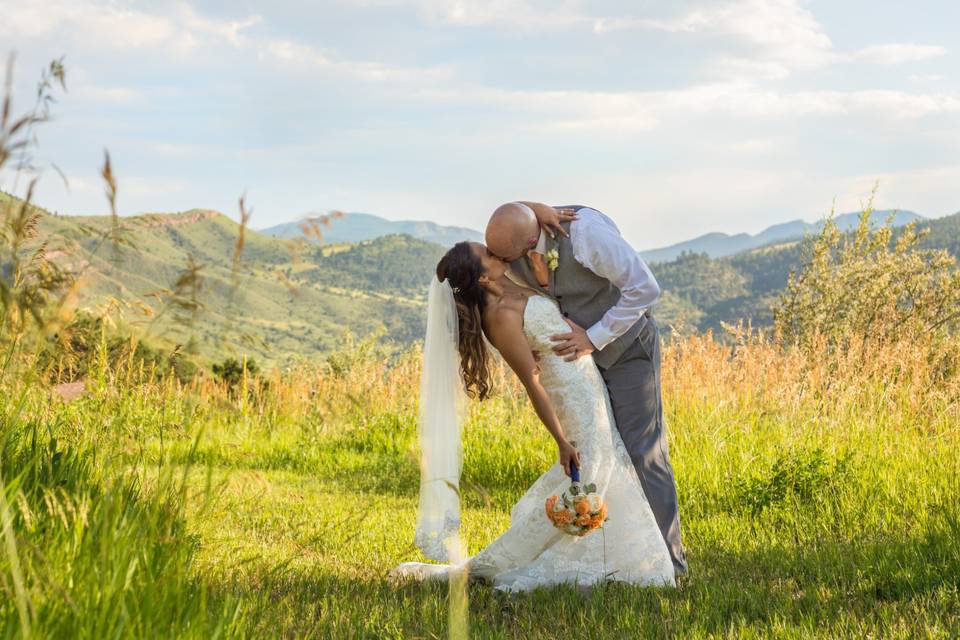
pixel 532 553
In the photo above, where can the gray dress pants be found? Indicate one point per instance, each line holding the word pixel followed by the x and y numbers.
pixel 634 385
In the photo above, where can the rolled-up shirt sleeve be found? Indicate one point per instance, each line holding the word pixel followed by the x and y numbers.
pixel 598 246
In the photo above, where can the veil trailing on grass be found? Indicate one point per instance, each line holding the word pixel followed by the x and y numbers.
pixel 442 402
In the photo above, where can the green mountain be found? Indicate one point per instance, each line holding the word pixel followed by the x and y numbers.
pixel 285 302
pixel 357 227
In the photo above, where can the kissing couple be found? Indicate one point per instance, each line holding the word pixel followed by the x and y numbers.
pixel 565 300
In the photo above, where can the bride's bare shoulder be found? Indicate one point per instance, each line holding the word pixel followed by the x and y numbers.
pixel 505 315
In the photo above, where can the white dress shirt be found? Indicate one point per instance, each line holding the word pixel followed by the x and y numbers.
pixel 598 246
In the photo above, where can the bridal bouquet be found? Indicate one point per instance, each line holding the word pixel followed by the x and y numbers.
pixel 580 512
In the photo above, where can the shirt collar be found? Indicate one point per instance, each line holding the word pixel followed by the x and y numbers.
pixel 541 247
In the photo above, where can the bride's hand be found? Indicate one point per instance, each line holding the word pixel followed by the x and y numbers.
pixel 551 217
pixel 568 454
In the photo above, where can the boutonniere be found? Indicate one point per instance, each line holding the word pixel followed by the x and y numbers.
pixel 553 259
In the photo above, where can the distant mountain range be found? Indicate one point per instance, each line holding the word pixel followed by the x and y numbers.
pixel 719 245
pixel 357 227
pixel 287 303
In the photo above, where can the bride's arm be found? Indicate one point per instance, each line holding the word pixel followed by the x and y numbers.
pixel 506 334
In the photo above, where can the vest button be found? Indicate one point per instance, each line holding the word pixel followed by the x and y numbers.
pixel 566 315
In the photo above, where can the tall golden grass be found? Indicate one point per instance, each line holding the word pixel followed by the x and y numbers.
pixel 905 377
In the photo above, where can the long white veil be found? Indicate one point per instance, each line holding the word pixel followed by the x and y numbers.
pixel 442 402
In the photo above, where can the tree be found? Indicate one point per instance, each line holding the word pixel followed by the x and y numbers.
pixel 868 286
pixel 232 371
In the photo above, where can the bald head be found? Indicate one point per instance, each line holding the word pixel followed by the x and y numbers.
pixel 513 229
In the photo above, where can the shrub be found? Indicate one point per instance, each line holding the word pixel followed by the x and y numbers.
pixel 867 286
pixel 70 352
pixel 800 475
pixel 232 371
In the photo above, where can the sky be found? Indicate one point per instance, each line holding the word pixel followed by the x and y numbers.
pixel 675 118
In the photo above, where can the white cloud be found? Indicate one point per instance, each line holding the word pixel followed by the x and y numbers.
pixel 926 78
pixel 929 191
pixel 759 146
pixel 110 95
pixel 293 55
pixel 688 23
pixel 486 12
pixel 775 37
pixel 135 186
pixel 626 112
pixel 768 39
pixel 182 30
pixel 647 205
pixel 898 53
pixel 524 15
pixel 118 26
pixel 897 105
pixel 695 122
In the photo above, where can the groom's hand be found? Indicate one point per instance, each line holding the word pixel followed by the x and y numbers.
pixel 573 345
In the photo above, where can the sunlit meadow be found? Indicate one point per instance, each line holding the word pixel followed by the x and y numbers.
pixel 818 497
pixel 819 487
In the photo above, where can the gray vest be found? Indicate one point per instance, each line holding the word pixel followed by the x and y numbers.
pixel 582 295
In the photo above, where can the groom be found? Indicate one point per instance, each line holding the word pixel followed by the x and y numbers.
pixel 604 290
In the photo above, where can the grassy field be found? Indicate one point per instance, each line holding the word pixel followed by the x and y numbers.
pixel 819 498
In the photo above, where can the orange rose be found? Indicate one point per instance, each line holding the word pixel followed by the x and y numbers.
pixel 583 521
pixel 583 507
pixel 595 522
pixel 563 517
pixel 552 500
pixel 603 511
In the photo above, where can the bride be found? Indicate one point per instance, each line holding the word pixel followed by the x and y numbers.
pixel 472 297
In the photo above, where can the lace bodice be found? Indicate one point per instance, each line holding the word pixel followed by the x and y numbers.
pixel 576 388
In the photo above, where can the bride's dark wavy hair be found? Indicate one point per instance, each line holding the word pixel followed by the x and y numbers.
pixel 462 269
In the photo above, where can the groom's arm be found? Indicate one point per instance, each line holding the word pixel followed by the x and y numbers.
pixel 598 246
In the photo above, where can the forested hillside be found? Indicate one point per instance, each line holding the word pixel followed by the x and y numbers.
pixel 174 278
pixel 703 292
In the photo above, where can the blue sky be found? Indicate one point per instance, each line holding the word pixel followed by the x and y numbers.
pixel 676 118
